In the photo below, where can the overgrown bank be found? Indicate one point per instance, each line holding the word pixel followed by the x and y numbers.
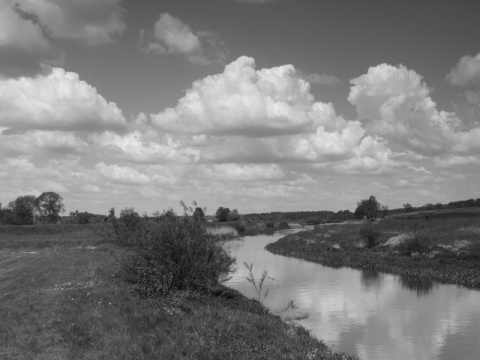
pixel 444 248
pixel 74 297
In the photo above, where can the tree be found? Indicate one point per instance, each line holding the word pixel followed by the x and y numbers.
pixel 234 215
pixel 83 218
pixel 222 214
pixel 111 213
pixel 367 208
pixel 384 209
pixel 23 209
pixel 407 208
pixel 199 214
pixel 49 206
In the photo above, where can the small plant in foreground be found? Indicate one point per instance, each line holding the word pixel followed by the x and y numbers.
pixel 370 233
pixel 258 286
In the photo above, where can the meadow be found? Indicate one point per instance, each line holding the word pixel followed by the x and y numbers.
pixel 65 294
pixel 441 245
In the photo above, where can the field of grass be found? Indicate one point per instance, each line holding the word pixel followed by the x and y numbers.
pixel 62 296
pixel 441 245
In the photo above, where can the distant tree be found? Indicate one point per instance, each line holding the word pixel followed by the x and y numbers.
pixel 367 208
pixel 83 218
pixel 130 218
pixel 234 215
pixel 477 202
pixel 23 208
pixel 222 214
pixel 438 206
pixel 50 205
pixel 429 206
pixel 111 213
pixel 407 208
pixel 199 214
pixel 384 210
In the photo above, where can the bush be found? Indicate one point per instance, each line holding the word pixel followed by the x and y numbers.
pixel 415 243
pixel 176 253
pixel 370 235
pixel 237 225
pixel 283 225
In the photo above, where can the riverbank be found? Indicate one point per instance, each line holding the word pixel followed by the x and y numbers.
pixel 63 297
pixel 443 247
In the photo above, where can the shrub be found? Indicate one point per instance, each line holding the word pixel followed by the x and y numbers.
pixel 415 243
pixel 370 234
pixel 237 225
pixel 283 225
pixel 177 252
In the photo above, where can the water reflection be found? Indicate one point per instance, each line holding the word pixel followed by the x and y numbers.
pixel 374 315
pixel 370 278
pixel 420 286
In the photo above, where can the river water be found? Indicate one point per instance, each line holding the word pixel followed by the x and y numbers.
pixel 372 315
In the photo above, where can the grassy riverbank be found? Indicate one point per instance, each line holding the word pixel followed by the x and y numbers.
pixel 439 246
pixel 63 296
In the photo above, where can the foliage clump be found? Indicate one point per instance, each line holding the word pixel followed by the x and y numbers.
pixel 370 234
pixel 418 242
pixel 368 208
pixel 174 252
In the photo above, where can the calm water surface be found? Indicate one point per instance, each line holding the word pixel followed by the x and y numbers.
pixel 375 316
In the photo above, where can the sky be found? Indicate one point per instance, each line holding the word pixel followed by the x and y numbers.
pixel 258 105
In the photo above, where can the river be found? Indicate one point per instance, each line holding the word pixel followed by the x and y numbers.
pixel 372 315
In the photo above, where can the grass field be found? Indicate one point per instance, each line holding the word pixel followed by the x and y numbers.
pixel 439 245
pixel 62 296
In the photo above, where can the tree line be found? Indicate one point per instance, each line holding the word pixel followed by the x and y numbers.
pixel 29 210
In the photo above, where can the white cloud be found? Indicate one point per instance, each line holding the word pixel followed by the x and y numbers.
pixel 57 101
pixel 33 142
pixel 394 102
pixel 136 147
pixel 91 21
pixel 467 71
pixel 455 160
pixel 245 101
pixel 172 36
pixel 122 174
pixel 250 172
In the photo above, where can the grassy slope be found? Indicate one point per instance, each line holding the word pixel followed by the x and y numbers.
pixel 61 298
pixel 454 256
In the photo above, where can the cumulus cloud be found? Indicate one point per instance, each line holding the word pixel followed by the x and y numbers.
pixel 246 101
pixel 91 21
pixel 122 174
pixel 57 142
pixel 136 146
pixel 172 36
pixel 250 172
pixel 467 71
pixel 394 102
pixel 57 101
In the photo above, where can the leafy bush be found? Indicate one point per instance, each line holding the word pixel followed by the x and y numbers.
pixel 176 253
pixel 370 234
pixel 283 225
pixel 416 243
pixel 237 225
